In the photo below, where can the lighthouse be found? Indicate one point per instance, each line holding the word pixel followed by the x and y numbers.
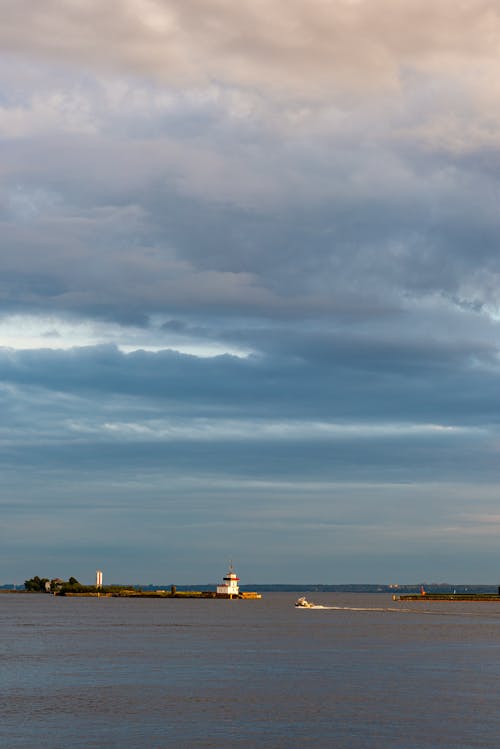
pixel 229 587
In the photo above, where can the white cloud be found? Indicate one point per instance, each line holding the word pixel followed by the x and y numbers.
pixel 24 332
pixel 263 430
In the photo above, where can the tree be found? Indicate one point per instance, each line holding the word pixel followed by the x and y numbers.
pixel 36 584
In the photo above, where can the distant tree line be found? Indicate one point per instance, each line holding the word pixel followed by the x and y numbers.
pixel 61 587
pixel 44 585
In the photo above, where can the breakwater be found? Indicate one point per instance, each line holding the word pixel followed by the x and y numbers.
pixel 477 597
pixel 158 594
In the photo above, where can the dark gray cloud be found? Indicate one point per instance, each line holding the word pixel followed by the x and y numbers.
pixel 310 377
pixel 86 232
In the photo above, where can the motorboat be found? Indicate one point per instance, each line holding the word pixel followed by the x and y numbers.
pixel 303 603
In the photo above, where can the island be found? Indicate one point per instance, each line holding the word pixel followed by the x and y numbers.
pixel 228 589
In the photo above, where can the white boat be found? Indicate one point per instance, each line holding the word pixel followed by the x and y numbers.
pixel 303 603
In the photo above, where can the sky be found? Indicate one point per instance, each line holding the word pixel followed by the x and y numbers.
pixel 250 290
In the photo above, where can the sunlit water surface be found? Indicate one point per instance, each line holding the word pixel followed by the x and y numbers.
pixel 148 674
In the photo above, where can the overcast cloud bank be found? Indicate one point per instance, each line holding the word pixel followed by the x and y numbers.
pixel 249 289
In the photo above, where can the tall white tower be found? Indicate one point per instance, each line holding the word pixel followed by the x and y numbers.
pixel 98 579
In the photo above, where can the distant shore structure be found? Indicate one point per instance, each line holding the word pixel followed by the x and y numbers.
pixel 229 587
pixel 425 596
pixel 98 579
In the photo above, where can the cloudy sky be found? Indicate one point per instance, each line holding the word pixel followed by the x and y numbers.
pixel 250 290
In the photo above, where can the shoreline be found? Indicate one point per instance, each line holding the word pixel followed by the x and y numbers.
pixel 199 594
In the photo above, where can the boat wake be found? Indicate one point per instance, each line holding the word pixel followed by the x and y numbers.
pixel 316 606
pixel 350 608
pixel 303 603
pixel 393 610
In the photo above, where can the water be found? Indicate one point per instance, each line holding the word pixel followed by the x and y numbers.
pixel 151 674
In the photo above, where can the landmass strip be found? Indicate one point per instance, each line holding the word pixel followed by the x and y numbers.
pixel 229 588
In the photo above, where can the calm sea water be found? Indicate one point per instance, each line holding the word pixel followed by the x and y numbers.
pixel 149 674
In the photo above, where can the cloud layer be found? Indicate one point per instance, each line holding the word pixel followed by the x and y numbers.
pixel 249 288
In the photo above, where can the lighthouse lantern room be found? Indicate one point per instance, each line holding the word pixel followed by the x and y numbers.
pixel 229 587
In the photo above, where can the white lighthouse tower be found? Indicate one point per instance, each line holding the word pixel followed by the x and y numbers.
pixel 229 587
pixel 98 579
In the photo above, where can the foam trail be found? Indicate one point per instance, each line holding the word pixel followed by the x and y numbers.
pixel 351 608
pixel 393 610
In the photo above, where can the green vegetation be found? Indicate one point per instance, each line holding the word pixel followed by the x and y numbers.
pixel 56 585
pixel 74 587
pixel 36 584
